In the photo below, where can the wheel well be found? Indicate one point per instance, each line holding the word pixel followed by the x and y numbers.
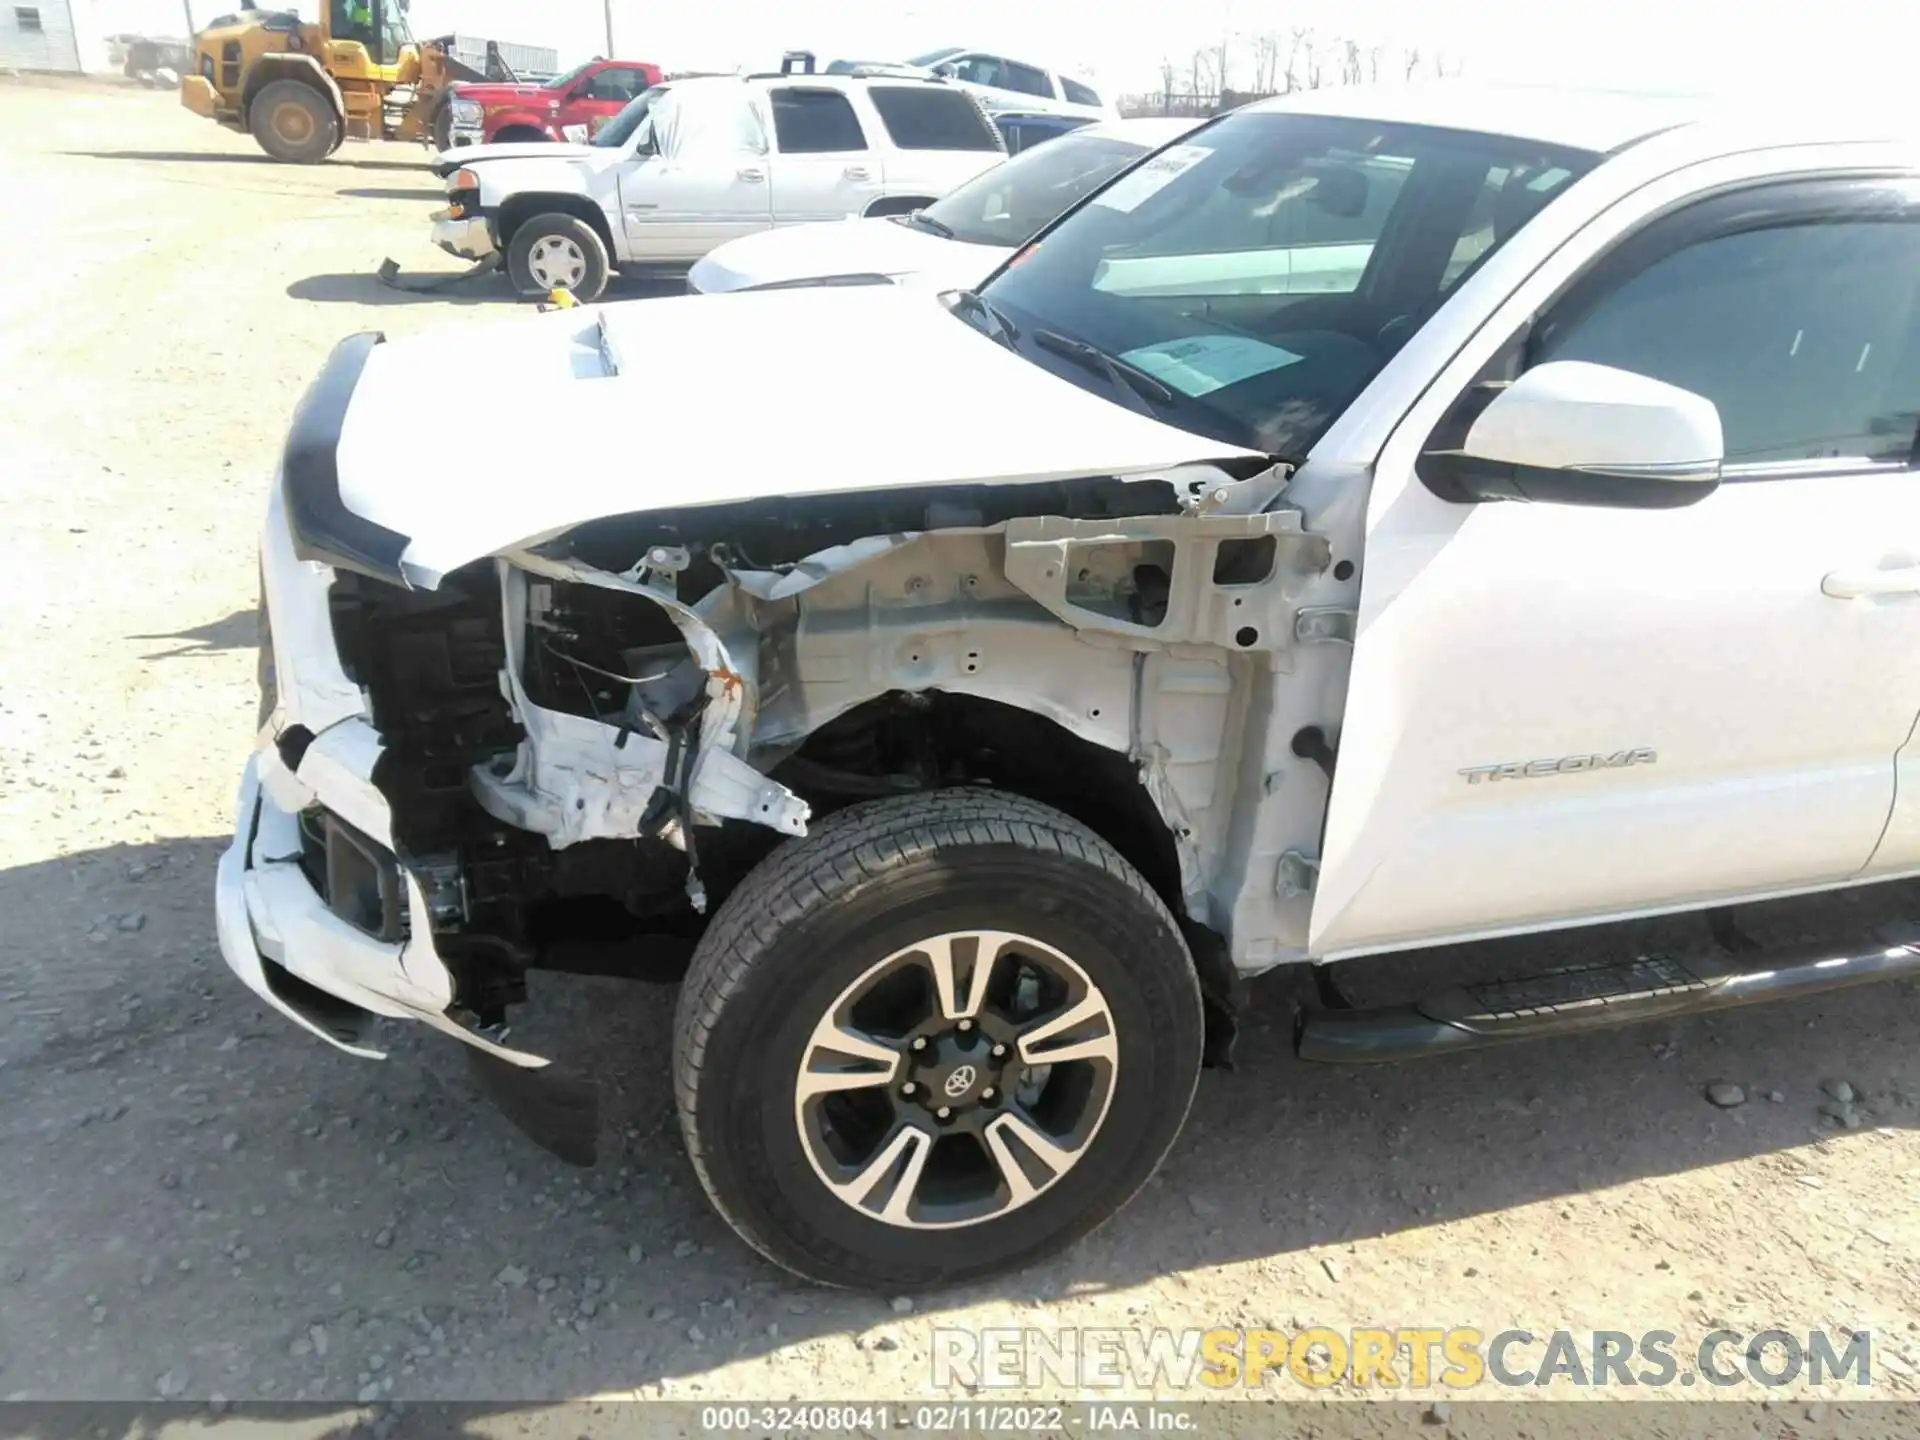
pixel 521 208
pixel 303 68
pixel 900 742
pixel 898 205
pixel 517 134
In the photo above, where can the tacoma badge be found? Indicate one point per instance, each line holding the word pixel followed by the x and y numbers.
pixel 1565 765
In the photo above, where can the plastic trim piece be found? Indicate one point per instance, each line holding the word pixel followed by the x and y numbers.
pixel 322 526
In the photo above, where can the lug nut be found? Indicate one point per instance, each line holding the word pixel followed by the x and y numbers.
pixel 919 1042
pixel 944 1113
pixel 909 1088
pixel 989 1094
pixel 965 1025
pixel 999 1052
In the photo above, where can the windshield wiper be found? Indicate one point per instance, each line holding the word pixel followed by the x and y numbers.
pixel 1139 387
pixel 923 221
pixel 999 326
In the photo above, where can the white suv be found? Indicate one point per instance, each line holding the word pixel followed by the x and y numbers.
pixel 692 164
pixel 1005 84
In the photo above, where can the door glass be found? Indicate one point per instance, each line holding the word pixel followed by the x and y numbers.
pixel 1078 93
pixel 1804 336
pixel 982 70
pixel 1027 80
pixel 619 85
pixel 814 122
pixel 929 117
pixel 1008 203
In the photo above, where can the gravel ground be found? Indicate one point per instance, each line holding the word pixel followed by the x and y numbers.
pixel 197 1200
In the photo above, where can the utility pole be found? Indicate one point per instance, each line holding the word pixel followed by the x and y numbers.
pixel 609 10
pixel 187 6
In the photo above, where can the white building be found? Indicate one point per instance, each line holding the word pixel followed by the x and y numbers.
pixel 59 35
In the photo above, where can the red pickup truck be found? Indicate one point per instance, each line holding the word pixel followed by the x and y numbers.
pixel 569 108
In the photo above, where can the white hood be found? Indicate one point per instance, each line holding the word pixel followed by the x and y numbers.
pixel 846 247
pixel 524 150
pixel 471 440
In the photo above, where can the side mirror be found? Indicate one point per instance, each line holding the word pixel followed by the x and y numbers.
pixel 1573 433
pixel 947 71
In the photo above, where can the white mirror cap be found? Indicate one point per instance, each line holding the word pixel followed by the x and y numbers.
pixel 1573 415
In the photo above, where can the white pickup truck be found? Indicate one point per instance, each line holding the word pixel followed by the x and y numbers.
pixel 691 164
pixel 970 690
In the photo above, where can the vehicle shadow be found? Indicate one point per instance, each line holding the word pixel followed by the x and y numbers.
pixel 216 157
pixel 377 193
pixel 491 287
pixel 388 1205
pixel 238 631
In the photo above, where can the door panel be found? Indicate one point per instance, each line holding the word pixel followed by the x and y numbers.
pixel 1718 713
pixel 822 167
pixel 679 210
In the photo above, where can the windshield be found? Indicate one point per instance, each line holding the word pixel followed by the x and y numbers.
pixel 934 57
pixel 1007 204
pixel 1252 279
pixel 562 82
pixel 617 131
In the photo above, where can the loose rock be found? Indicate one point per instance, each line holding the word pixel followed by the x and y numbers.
pixel 1726 1095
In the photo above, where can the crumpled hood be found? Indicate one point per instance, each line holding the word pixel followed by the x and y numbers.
pixel 474 439
pixel 846 247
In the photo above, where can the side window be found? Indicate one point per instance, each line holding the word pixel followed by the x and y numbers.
pixel 981 70
pixel 933 117
pixel 1077 93
pixel 1027 80
pixel 615 84
pixel 1806 336
pixel 815 122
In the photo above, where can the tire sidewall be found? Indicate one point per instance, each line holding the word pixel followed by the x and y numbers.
pixel 592 285
pixel 1127 946
pixel 327 129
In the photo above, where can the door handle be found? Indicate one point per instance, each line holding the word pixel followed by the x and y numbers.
pixel 1853 584
pixel 750 174
pixel 857 172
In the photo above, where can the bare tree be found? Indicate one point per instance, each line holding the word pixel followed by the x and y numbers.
pixel 1351 71
pixel 1374 57
pixel 1266 64
pixel 1413 60
pixel 1222 53
pixel 1316 63
pixel 1298 40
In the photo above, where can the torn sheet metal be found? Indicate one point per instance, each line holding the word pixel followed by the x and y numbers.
pixel 575 778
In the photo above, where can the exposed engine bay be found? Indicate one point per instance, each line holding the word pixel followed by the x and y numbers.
pixel 590 741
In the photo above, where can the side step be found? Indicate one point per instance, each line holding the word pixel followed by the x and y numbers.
pixel 1471 1017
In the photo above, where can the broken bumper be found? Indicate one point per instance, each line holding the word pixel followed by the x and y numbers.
pixel 334 962
pixel 470 238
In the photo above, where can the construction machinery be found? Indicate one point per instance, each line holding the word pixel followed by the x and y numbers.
pixel 302 88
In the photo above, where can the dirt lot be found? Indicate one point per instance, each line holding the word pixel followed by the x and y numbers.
pixel 198 1200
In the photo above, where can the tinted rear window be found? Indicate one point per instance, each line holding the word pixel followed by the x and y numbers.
pixel 815 122
pixel 929 117
pixel 1078 93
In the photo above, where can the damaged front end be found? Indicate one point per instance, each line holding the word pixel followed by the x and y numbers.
pixel 564 753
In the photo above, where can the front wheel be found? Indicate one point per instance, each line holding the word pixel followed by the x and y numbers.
pixel 940 1037
pixel 293 122
pixel 558 252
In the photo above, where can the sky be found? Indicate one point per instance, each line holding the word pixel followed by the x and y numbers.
pixel 1778 46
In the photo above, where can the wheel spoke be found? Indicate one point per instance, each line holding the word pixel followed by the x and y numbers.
pixel 1035 1048
pixel 1020 1188
pixel 987 947
pixel 916 1144
pixel 875 1063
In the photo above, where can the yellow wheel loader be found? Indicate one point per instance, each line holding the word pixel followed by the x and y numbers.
pixel 303 88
